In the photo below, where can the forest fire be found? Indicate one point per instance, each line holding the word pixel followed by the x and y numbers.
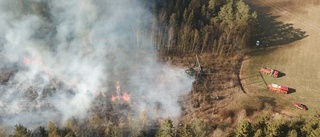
pixel 28 61
pixel 36 63
pixel 125 96
pixel 63 60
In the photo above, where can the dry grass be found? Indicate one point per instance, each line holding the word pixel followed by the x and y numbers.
pixel 299 60
pixel 214 90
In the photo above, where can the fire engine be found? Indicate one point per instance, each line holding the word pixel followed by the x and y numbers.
pixel 278 88
pixel 269 71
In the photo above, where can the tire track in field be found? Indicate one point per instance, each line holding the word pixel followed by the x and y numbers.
pixel 298 19
pixel 289 13
pixel 305 21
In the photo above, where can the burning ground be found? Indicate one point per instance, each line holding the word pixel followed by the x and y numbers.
pixel 72 59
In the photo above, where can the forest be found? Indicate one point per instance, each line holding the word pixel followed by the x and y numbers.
pixel 222 29
pixel 190 26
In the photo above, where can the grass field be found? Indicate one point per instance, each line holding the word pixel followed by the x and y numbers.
pixel 298 58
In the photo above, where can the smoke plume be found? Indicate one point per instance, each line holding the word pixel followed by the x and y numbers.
pixel 58 56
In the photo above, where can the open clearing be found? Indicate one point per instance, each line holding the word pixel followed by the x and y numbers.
pixel 297 57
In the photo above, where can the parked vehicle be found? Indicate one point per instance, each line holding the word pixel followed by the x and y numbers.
pixel 278 88
pixel 301 106
pixel 269 71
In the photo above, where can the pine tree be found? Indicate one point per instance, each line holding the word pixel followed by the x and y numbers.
pixel 277 128
pixel 199 128
pixel 242 16
pixel 42 132
pixel 244 129
pixel 315 133
pixel 52 130
pixel 167 129
pixel 292 133
pixel 309 127
pixel 259 133
pixel 190 19
pixel 226 16
pixel 196 40
pixel 184 131
pixel 21 131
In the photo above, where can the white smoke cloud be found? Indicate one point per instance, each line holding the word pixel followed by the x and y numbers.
pixel 64 53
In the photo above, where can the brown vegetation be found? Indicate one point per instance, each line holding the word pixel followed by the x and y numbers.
pixel 210 38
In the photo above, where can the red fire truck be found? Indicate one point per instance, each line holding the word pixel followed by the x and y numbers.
pixel 278 88
pixel 269 71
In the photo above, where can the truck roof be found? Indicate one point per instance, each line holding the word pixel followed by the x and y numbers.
pixel 275 86
pixel 280 87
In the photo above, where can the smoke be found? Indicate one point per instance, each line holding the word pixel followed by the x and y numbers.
pixel 61 55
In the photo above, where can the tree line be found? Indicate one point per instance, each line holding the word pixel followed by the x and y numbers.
pixel 71 129
pixel 182 27
pixel 265 126
pixel 197 26
pixel 301 126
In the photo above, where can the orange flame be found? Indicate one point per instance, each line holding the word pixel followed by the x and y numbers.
pixel 126 97
pixel 29 61
pixel 37 63
pixel 113 98
pixel 26 60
